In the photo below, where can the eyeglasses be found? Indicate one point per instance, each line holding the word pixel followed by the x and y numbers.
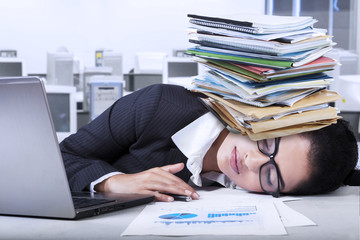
pixel 269 175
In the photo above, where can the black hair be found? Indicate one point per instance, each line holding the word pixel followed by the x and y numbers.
pixel 333 156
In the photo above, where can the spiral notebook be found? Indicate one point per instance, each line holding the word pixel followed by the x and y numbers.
pixel 239 59
pixel 254 24
pixel 289 37
pixel 265 47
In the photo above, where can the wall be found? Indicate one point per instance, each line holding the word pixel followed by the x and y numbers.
pixel 35 27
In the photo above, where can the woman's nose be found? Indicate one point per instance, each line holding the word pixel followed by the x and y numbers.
pixel 254 160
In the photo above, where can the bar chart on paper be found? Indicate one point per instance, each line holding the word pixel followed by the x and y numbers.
pixel 245 215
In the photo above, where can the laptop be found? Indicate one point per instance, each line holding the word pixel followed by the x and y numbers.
pixel 33 180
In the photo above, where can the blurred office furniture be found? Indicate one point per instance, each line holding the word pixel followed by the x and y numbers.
pixel 77 75
pixel 8 53
pixel 147 71
pixel 39 75
pixel 60 66
pixel 89 72
pixel 109 58
pixel 347 84
pixel 348 61
pixel 180 53
pixel 104 91
pixel 62 103
pixel 99 57
pixel 349 89
pixel 149 62
pixel 179 70
pixel 83 118
pixel 136 81
pixel 11 67
pixel 114 60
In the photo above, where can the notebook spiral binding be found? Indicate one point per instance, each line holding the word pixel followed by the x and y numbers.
pixel 225 26
pixel 243 47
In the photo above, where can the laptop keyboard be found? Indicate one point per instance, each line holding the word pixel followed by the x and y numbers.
pixel 88 202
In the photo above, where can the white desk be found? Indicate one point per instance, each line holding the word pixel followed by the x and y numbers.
pixel 336 214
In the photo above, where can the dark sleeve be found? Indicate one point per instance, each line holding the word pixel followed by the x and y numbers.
pixel 90 152
pixel 133 122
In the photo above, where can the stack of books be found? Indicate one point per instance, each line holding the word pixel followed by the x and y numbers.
pixel 266 75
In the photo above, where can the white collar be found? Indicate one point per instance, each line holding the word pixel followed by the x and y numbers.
pixel 194 141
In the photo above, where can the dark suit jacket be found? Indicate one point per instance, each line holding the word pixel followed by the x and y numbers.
pixel 133 135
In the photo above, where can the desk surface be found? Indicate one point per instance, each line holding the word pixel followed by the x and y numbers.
pixel 336 216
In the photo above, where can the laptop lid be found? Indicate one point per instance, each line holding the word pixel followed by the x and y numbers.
pixel 32 174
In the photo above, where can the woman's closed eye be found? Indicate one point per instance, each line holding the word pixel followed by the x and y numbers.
pixel 271 178
pixel 266 145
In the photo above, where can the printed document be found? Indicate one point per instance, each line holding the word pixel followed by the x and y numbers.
pixel 218 212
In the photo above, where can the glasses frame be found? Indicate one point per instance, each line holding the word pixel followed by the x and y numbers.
pixel 272 162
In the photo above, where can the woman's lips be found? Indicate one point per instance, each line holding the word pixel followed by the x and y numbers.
pixel 235 161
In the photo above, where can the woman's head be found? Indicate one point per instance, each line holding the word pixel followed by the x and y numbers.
pixel 305 161
pixel 240 159
pixel 333 154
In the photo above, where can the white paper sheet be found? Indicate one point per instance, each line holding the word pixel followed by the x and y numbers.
pixel 290 217
pixel 213 214
pixel 220 211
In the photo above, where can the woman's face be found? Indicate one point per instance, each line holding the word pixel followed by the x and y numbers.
pixel 238 157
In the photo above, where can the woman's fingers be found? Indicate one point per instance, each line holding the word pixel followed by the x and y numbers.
pixel 173 168
pixel 167 182
pixel 156 181
pixel 163 197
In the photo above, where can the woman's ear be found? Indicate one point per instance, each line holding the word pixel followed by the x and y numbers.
pixel 353 178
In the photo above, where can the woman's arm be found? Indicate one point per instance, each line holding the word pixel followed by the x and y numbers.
pixel 155 181
pixel 91 152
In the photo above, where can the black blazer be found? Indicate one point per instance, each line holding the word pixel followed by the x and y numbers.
pixel 133 135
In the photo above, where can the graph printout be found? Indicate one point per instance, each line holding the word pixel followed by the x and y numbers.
pixel 208 217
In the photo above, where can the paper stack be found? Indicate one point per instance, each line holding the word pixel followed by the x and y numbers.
pixel 265 74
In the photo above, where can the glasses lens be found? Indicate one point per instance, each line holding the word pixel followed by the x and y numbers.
pixel 269 178
pixel 267 145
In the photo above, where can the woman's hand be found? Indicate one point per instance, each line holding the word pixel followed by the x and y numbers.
pixel 155 181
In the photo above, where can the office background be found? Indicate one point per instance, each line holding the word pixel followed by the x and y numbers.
pixel 36 27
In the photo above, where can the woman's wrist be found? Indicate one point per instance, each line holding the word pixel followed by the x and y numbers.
pixel 102 186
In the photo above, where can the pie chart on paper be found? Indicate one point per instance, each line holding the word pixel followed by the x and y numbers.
pixel 178 216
